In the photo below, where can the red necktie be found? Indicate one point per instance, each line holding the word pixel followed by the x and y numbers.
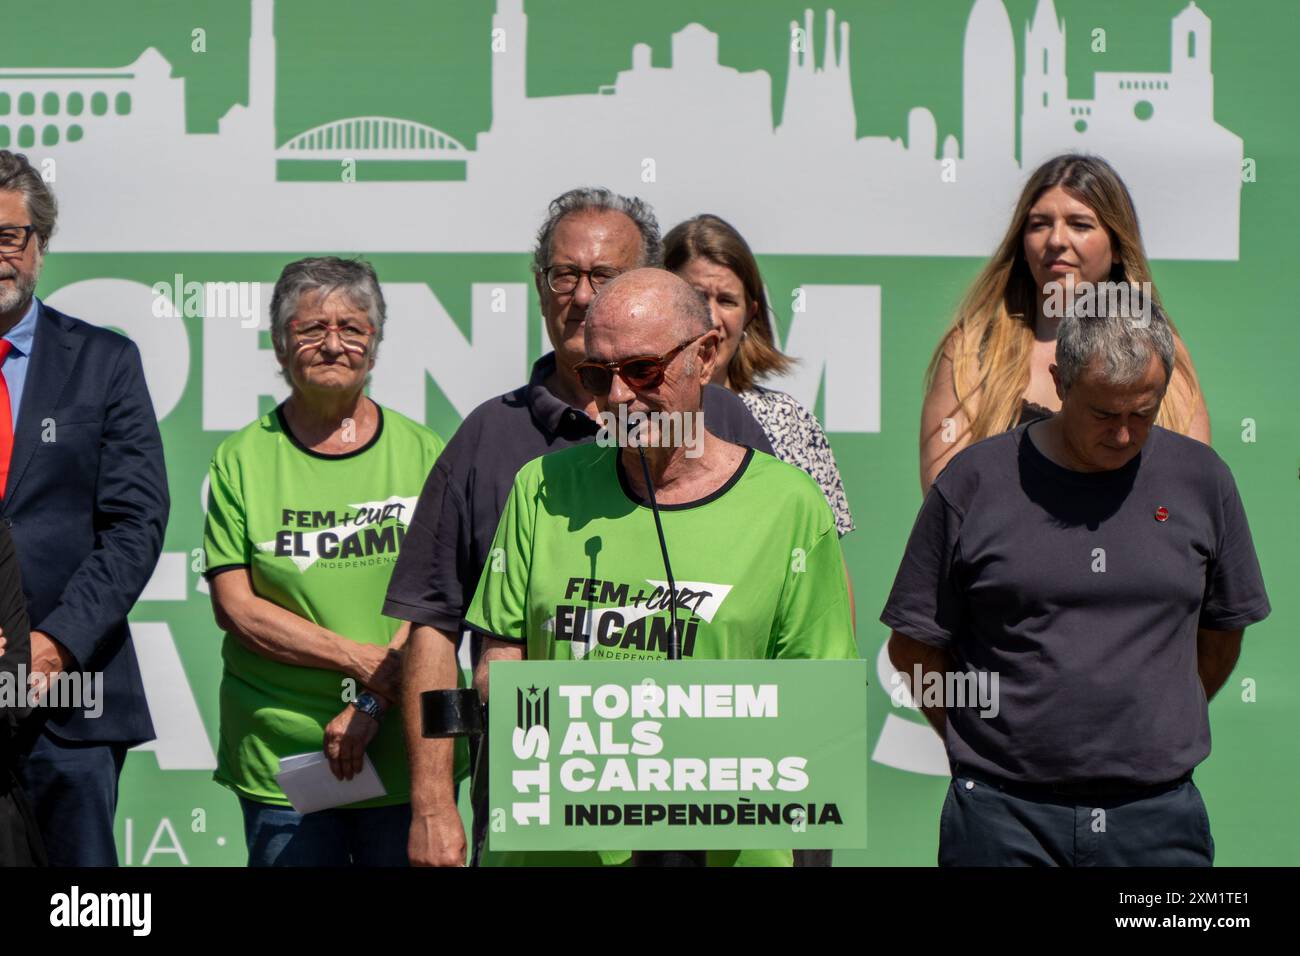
pixel 6 419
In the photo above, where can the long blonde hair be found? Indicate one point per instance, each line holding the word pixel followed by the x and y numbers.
pixel 991 339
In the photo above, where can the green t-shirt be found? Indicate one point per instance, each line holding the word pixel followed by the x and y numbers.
pixel 576 573
pixel 320 535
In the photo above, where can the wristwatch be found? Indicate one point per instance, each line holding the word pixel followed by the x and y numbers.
pixel 369 705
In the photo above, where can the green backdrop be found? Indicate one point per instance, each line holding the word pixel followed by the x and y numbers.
pixel 430 63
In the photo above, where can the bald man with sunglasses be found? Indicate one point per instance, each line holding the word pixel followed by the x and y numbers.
pixel 590 236
pixel 581 573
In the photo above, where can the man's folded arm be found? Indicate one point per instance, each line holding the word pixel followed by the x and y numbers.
pixel 907 654
pixel 495 649
pixel 1216 655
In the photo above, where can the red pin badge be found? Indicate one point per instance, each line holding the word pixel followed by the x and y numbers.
pixel 1162 513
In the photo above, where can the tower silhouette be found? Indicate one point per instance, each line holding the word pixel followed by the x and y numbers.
pixel 818 104
pixel 1190 60
pixel 509 61
pixel 988 137
pixel 1045 122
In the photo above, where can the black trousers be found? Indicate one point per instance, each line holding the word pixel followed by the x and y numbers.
pixel 20 838
pixel 989 822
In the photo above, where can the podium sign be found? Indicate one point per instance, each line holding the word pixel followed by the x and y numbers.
pixel 682 755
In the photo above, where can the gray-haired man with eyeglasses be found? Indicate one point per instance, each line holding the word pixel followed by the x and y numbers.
pixel 589 236
pixel 85 499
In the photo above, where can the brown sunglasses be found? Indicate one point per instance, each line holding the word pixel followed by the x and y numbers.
pixel 640 371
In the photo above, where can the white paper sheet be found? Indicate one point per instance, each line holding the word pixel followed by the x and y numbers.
pixel 310 785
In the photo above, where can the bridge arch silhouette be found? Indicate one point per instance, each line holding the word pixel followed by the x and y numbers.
pixel 375 135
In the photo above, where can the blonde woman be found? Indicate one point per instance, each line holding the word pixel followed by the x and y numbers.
pixel 1074 221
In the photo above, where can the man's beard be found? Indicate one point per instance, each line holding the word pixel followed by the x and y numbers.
pixel 20 291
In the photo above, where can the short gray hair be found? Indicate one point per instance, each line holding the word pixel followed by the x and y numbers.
pixel 595 199
pixel 1122 345
pixel 355 278
pixel 18 175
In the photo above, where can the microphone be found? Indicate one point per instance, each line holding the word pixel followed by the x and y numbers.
pixel 666 858
pixel 674 638
pixel 592 549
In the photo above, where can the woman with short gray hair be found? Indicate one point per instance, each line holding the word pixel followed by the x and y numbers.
pixel 307 510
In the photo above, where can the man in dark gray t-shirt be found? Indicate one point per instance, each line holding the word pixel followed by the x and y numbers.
pixel 1083 582
pixel 589 237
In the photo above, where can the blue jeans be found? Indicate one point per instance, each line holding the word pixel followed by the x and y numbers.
pixel 280 836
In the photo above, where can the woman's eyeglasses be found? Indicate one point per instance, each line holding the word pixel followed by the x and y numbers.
pixel 353 335
pixel 639 372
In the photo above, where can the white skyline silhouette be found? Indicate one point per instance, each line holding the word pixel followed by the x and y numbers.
pixel 140 182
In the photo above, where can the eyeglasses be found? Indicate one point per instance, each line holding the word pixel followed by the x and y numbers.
pixel 312 333
pixel 564 279
pixel 639 372
pixel 15 238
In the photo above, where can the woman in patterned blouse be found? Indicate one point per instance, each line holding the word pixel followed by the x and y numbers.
pixel 709 254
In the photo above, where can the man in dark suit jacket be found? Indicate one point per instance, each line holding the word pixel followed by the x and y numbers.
pixel 85 499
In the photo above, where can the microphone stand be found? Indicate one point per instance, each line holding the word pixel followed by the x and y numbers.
pixel 665 858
